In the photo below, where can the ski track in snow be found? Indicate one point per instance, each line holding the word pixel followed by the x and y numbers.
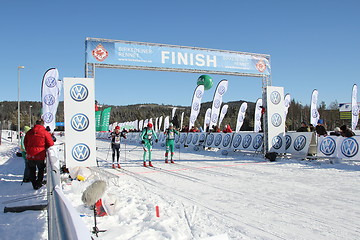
pixel 203 194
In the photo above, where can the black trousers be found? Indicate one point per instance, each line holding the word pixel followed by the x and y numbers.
pixel 40 165
pixel 115 149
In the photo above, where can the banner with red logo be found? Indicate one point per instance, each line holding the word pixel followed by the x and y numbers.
pixel 152 56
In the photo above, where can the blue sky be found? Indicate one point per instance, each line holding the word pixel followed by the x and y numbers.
pixel 313 44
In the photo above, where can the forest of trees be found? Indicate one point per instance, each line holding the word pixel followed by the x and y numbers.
pixel 296 114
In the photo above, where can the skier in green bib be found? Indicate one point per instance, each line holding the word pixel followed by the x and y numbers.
pixel 147 136
pixel 170 137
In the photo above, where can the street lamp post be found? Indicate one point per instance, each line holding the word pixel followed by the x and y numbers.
pixel 30 115
pixel 19 67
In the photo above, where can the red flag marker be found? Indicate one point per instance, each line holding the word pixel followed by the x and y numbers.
pixel 157 211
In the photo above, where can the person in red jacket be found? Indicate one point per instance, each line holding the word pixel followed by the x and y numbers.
pixel 227 129
pixel 36 141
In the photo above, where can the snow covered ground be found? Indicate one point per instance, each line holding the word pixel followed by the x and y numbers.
pixel 204 195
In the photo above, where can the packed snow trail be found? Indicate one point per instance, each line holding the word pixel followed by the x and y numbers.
pixel 206 194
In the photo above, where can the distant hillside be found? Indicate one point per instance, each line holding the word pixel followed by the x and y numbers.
pixel 296 114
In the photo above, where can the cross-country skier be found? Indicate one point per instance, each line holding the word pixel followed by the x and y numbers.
pixel 170 137
pixel 115 145
pixel 147 137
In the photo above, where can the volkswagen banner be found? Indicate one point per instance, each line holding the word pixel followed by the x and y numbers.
pixel 79 122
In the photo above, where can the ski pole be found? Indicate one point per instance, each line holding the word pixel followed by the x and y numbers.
pixel 133 148
pixel 108 152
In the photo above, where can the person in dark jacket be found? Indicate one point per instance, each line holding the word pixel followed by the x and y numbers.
pixel 346 132
pixel 115 145
pixel 320 129
pixel 37 141
pixel 304 128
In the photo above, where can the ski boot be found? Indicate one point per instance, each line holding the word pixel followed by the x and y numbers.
pixel 118 165
pixel 113 166
pixel 166 161
pixel 145 164
pixel 172 161
pixel 150 164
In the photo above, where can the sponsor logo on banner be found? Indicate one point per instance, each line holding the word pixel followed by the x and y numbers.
pixel 214 117
pixel 49 99
pixel 275 97
pixel 277 142
pixel 258 140
pixel 247 141
pixel 217 103
pixel 182 139
pixel 50 82
pixel 80 152
pixel 79 92
pixel 314 113
pixel 258 116
pixel 237 141
pixel 243 109
pixel 300 143
pixel 221 90
pixel 196 106
pixel 276 120
pixel 261 66
pixel 355 110
pixel 193 118
pixel 287 103
pixel 195 138
pixel 189 138
pixel 210 139
pixel 48 117
pixel 328 146
pixel 288 141
pixel 202 137
pixel 227 140
pixel 349 147
pixel 199 94
pixel 100 53
pixel 218 140
pixel 79 122
pixel 240 118
pixel 177 138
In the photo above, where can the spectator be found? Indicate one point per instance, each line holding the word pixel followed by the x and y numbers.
pixel 312 129
pixel 336 132
pixel 37 141
pixel 320 129
pixel 227 129
pixel 346 132
pixel 304 127
pixel 26 177
pixel 52 134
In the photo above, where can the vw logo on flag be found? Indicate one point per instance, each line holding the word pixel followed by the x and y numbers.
pixel 218 140
pixel 189 138
pixel 349 147
pixel 48 117
pixel 199 94
pixel 314 113
pixel 277 142
pixel 49 99
pixel 355 110
pixel 182 139
pixel 217 103
pixel 50 82
pixel 192 118
pixel 258 140
pixel 241 118
pixel 214 118
pixel 328 146
pixel 237 141
pixel 275 97
pixel 79 92
pixel 80 152
pixel 288 141
pixel 300 143
pixel 79 122
pixel 247 141
pixel 243 109
pixel 196 106
pixel 210 139
pixel 276 120
pixel 258 116
pixel 195 138
pixel 221 90
pixel 177 138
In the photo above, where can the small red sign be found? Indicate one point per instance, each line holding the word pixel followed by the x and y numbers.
pixel 100 53
pixel 261 66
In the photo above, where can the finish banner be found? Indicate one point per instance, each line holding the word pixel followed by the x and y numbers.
pixel 151 56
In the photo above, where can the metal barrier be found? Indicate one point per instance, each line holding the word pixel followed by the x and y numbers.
pixel 64 221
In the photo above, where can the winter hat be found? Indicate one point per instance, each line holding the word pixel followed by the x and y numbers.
pixel 320 121
pixel 117 127
pixel 150 124
pixel 26 129
pixel 337 129
pixel 343 127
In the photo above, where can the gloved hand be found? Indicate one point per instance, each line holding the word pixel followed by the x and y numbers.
pixel 156 140
pixel 143 142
